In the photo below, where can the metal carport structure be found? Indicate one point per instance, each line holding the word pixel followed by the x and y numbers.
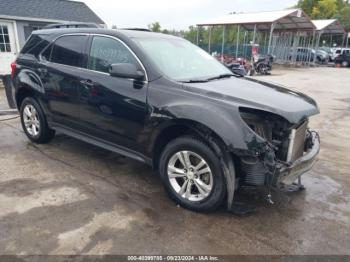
pixel 283 29
pixel 330 27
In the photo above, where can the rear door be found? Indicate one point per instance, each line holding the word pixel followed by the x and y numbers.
pixel 8 50
pixel 60 68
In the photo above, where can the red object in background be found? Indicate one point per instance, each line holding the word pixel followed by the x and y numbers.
pixel 254 50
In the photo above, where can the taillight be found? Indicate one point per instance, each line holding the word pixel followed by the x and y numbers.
pixel 13 69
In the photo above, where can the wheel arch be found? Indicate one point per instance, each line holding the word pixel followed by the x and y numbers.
pixel 229 160
pixel 22 93
pixel 180 127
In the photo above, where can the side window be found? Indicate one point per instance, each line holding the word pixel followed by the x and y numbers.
pixel 68 50
pixel 106 51
pixel 35 44
pixel 46 55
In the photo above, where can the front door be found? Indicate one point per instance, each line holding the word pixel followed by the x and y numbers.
pixel 112 108
pixel 8 50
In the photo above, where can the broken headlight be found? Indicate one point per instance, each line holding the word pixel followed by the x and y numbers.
pixel 273 128
pixel 257 122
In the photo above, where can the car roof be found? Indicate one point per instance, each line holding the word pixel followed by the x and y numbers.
pixel 113 32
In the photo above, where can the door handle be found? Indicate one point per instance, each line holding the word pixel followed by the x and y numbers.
pixel 87 83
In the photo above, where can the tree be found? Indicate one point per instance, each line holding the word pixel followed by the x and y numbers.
pixel 322 9
pixel 155 27
pixel 325 9
pixel 343 16
pixel 191 34
pixel 307 5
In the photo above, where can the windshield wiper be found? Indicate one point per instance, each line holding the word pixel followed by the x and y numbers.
pixel 220 77
pixel 208 79
pixel 195 81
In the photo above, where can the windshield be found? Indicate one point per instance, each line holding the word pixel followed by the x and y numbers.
pixel 180 60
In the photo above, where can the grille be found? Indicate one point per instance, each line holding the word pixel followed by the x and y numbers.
pixel 297 142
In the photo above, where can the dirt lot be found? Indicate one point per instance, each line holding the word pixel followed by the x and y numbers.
pixel 70 198
pixel 3 101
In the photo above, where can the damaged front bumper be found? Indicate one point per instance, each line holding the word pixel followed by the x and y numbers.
pixel 288 173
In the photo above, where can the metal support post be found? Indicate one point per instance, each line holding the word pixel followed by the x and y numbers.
pixel 254 34
pixel 209 40
pixel 197 35
pixel 237 42
pixel 270 38
pixel 223 43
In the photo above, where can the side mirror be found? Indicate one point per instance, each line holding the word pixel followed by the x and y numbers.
pixel 126 70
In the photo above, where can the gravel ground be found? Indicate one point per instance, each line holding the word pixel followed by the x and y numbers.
pixel 69 197
pixel 3 100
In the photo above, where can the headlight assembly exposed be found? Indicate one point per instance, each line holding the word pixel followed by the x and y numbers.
pixel 271 127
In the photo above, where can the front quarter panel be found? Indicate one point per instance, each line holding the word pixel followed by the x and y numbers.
pixel 172 103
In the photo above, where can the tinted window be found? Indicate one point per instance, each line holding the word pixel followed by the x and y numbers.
pixel 68 50
pixel 106 51
pixel 35 45
pixel 46 55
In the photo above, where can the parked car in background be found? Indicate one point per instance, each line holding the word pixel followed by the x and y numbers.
pixel 343 60
pixel 339 51
pixel 163 101
pixel 328 50
pixel 322 56
pixel 304 54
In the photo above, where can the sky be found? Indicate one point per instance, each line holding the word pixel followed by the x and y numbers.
pixel 175 14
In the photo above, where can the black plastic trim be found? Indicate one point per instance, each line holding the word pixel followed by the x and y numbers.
pixel 100 143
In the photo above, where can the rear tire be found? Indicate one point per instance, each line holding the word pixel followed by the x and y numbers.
pixel 34 122
pixel 199 183
pixel 345 64
pixel 9 91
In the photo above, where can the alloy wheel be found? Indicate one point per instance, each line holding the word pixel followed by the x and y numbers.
pixel 31 120
pixel 190 176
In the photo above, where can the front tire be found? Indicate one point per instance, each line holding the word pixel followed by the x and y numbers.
pixel 34 122
pixel 192 174
pixel 345 64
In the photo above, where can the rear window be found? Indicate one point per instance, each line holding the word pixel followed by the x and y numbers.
pixel 35 44
pixel 68 50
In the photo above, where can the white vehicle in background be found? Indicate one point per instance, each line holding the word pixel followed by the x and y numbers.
pixel 339 51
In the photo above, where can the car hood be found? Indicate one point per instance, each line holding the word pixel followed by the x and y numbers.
pixel 248 92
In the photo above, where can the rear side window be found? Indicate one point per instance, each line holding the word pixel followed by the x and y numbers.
pixel 106 51
pixel 35 44
pixel 69 50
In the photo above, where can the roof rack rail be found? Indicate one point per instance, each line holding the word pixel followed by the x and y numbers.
pixel 137 29
pixel 73 25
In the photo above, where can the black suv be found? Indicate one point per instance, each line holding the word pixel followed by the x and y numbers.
pixel 343 60
pixel 162 100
